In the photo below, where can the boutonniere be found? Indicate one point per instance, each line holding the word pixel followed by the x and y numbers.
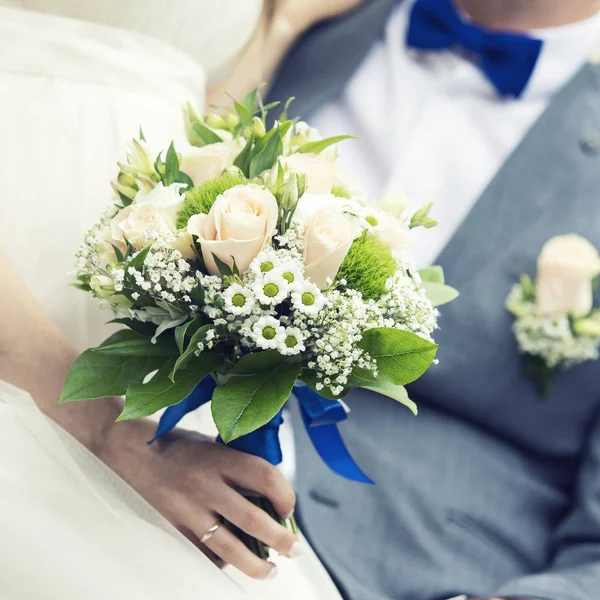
pixel 557 325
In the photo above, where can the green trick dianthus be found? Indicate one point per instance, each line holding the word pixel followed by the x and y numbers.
pixel 367 266
pixel 200 199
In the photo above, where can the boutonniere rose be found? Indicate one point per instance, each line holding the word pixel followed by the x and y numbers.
pixel 556 323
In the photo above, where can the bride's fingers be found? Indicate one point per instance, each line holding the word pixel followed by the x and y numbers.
pixel 257 523
pixel 229 549
pixel 258 475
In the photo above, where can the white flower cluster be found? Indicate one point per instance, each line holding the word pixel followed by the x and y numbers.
pixel 165 275
pixel 274 307
pixel 96 252
pixel 551 338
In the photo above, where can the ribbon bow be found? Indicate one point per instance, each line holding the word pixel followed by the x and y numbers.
pixel 507 59
pixel 320 417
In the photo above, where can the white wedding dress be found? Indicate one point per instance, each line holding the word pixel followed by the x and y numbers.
pixel 71 94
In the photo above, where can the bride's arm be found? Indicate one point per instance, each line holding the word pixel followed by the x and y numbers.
pixel 36 357
pixel 189 479
pixel 282 24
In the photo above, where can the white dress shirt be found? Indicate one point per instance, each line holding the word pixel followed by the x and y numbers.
pixel 432 126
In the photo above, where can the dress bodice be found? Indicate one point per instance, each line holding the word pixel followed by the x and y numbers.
pixel 209 31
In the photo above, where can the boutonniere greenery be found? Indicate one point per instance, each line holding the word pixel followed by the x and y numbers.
pixel 556 324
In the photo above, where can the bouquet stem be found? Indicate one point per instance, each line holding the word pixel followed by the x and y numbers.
pixel 256 546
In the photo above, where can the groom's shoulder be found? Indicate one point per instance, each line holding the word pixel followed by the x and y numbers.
pixel 324 59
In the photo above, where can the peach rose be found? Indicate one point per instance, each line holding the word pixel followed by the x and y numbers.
pixel 239 225
pixel 327 239
pixel 566 267
pixel 208 162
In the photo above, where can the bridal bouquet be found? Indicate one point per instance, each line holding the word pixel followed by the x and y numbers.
pixel 244 269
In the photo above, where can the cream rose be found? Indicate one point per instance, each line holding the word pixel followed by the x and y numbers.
pixel 394 233
pixel 310 204
pixel 208 162
pixel 166 200
pixel 135 222
pixel 566 267
pixel 327 239
pixel 239 225
pixel 321 174
pixel 155 211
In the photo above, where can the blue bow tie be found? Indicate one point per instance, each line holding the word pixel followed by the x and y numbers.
pixel 507 59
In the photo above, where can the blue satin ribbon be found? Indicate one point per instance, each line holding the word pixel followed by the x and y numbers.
pixel 507 59
pixel 320 417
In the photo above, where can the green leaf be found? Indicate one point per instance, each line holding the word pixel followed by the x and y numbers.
pixel 141 135
pixel 146 399
pixel 134 344
pixel 266 158
pixel 187 355
pixel 433 274
pixel 137 262
pixel 208 136
pixel 246 403
pixel 401 356
pixel 97 375
pixel 180 335
pixel 185 179
pixel 244 113
pixel 159 166
pixel 257 362
pixel 320 145
pixel 187 329
pixel 171 166
pixel 126 201
pixel 146 329
pixel 251 100
pixel 528 287
pixel 242 162
pixel 280 130
pixel 224 269
pixel 397 392
pixel 118 253
pixel 284 114
pixel 197 294
pixel 439 293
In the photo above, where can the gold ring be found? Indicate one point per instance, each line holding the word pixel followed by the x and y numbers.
pixel 211 531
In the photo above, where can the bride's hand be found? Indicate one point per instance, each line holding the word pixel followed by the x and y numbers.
pixel 193 481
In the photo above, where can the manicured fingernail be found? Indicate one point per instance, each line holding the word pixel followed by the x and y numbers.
pixel 272 573
pixel 297 550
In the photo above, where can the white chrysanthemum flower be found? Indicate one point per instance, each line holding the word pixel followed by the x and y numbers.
pixel 265 262
pixel 238 300
pixel 292 272
pixel 293 342
pixel 271 289
pixel 307 298
pixel 268 333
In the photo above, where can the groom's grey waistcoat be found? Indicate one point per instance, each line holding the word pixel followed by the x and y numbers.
pixel 489 491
